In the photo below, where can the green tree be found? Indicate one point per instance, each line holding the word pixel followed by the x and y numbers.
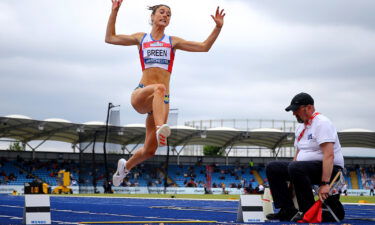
pixel 16 146
pixel 210 150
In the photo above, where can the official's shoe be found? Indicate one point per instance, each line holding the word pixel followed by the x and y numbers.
pixel 285 214
pixel 120 174
pixel 297 217
pixel 161 135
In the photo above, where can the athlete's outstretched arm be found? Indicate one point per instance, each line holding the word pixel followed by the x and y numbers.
pixel 111 37
pixel 205 46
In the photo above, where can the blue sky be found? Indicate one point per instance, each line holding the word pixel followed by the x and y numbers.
pixel 54 62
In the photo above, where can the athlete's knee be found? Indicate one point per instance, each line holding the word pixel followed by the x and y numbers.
pixel 160 89
pixel 149 151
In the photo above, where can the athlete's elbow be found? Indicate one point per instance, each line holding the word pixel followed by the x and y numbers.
pixel 109 40
pixel 206 48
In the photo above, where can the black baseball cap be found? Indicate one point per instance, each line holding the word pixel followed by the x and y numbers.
pixel 298 100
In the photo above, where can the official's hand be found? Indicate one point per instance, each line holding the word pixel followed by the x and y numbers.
pixel 219 17
pixel 324 192
pixel 116 4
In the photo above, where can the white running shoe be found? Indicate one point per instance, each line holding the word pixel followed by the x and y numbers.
pixel 120 174
pixel 161 135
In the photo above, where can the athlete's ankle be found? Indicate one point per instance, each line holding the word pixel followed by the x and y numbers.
pixel 158 126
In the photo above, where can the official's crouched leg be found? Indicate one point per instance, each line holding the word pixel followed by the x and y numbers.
pixel 278 177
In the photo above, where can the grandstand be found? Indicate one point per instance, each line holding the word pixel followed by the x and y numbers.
pixel 191 172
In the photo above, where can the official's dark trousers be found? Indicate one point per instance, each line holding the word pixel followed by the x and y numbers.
pixel 302 174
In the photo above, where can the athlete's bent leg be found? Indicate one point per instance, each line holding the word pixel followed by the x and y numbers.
pixel 158 105
pixel 151 99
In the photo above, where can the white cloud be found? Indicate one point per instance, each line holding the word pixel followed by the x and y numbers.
pixel 55 58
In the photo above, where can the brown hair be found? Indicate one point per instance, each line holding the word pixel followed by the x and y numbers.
pixel 155 7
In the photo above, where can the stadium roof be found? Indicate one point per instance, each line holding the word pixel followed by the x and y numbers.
pixel 25 129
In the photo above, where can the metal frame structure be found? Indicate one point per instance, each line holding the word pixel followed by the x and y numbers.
pixel 25 129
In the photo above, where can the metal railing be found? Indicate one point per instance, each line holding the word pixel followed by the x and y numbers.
pixel 244 124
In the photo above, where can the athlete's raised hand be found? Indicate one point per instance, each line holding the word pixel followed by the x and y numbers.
pixel 116 4
pixel 219 17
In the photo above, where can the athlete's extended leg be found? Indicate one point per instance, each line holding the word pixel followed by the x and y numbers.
pixel 149 148
pixel 147 151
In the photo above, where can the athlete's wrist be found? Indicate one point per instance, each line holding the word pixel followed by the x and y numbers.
pixel 115 10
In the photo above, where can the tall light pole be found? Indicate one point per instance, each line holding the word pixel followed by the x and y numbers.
pixel 110 106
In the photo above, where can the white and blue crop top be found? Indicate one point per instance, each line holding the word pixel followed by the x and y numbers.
pixel 156 53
